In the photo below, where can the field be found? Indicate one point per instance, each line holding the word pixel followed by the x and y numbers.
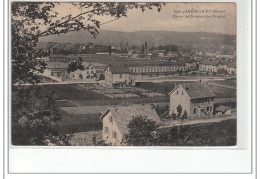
pixel 166 87
pixel 79 123
pixel 73 92
pixel 211 134
pixel 229 83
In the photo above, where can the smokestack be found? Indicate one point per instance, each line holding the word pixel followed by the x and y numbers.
pixel 145 48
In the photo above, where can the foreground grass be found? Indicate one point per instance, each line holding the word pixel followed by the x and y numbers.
pixel 210 134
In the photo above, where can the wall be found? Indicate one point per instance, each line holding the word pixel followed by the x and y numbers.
pixel 108 77
pixel 120 78
pixel 201 105
pixel 181 98
pixel 111 128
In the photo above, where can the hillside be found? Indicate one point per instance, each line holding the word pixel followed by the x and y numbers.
pixel 139 37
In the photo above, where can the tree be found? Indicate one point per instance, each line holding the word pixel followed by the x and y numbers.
pixel 29 22
pixel 142 132
pixel 179 110
pixel 185 115
pixel 34 118
pixel 101 77
pixel 173 116
pixel 180 72
pixel 33 20
pixel 75 65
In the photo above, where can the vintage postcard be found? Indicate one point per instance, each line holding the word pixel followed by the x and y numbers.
pixel 123 74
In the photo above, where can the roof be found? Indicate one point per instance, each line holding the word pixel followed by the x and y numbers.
pixel 196 90
pixel 119 69
pixel 223 108
pixel 56 65
pixel 124 114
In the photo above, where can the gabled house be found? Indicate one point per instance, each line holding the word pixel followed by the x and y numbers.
pixel 117 75
pixel 116 119
pixel 212 65
pixel 57 70
pixel 195 98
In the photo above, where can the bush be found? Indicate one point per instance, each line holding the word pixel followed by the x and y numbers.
pixel 185 115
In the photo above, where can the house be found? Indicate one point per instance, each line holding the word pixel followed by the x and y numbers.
pixel 156 68
pixel 195 98
pixel 116 119
pixel 141 57
pixel 212 65
pixel 231 68
pixel 191 64
pixel 91 70
pixel 56 70
pixel 223 110
pixel 117 75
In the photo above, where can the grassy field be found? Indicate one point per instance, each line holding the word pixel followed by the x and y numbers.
pixel 211 134
pixel 127 101
pixel 222 92
pixel 79 123
pixel 73 92
pixel 166 87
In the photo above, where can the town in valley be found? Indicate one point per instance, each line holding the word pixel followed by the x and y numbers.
pixel 141 88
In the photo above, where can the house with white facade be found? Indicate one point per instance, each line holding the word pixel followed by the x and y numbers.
pixel 117 75
pixel 212 65
pixel 195 98
pixel 116 119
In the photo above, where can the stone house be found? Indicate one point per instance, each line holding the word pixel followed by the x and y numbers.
pixel 116 119
pixel 117 75
pixel 195 98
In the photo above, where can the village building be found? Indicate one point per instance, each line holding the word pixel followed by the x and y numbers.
pixel 194 98
pixel 116 119
pixel 223 110
pixel 117 75
pixel 56 70
pixel 157 68
pixel 191 64
pixel 212 65
pixel 231 68
pixel 141 56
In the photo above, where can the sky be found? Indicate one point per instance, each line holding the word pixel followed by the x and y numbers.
pixel 174 17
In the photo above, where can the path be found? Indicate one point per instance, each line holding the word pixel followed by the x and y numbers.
pixel 224 86
pixel 198 121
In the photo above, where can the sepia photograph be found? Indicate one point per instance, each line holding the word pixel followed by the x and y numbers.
pixel 123 74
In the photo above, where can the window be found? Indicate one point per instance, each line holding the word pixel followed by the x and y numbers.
pixel 106 130
pixel 114 135
pixel 208 108
pixel 182 92
pixel 194 110
pixel 177 92
pixel 111 120
pixel 120 75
